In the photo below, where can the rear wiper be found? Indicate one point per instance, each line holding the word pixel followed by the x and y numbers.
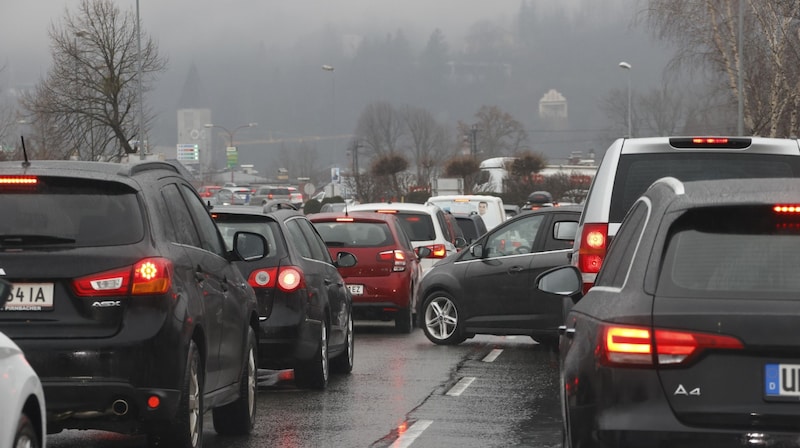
pixel 27 239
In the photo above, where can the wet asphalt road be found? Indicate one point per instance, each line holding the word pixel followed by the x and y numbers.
pixel 404 391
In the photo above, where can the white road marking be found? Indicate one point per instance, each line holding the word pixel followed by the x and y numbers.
pixel 492 355
pixel 460 386
pixel 407 438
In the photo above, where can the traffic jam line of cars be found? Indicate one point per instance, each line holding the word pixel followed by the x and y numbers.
pixel 671 286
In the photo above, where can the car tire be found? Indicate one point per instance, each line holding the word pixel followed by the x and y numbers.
pixel 238 418
pixel 344 362
pixel 186 430
pixel 26 435
pixel 440 319
pixel 404 321
pixel 313 374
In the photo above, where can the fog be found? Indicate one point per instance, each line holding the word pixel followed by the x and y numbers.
pixel 260 61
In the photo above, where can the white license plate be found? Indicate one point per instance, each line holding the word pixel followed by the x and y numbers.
pixel 30 297
pixel 356 289
pixel 782 381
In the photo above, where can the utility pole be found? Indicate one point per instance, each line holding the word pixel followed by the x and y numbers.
pixel 473 140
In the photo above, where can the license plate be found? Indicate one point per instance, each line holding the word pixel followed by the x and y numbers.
pixel 782 381
pixel 356 289
pixel 30 297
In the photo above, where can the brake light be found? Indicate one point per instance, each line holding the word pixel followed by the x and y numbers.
pixel 19 183
pixel 593 247
pixel 149 276
pixel 787 209
pixel 290 279
pixel 710 141
pixel 635 346
pixel 386 211
pixel 396 256
pixel 345 220
pixel 269 196
pixel 263 278
pixel 437 251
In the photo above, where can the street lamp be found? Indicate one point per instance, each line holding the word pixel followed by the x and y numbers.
pixel 329 68
pixel 627 67
pixel 230 136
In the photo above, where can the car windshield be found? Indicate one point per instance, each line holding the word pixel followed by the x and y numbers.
pixel 355 234
pixel 636 172
pixel 88 213
pixel 732 252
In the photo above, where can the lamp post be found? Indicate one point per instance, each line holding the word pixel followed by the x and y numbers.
pixel 330 69
pixel 140 92
pixel 230 136
pixel 627 67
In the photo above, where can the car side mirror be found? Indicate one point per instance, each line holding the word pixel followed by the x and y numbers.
pixel 562 280
pixel 250 246
pixel 461 242
pixel 476 251
pixel 345 260
pixel 5 292
pixel 565 230
pixel 423 252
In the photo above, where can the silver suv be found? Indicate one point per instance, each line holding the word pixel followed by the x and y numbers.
pixel 630 166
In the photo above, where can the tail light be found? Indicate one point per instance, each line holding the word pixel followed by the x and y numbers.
pixel 287 278
pixel 396 256
pixel 437 251
pixel 592 252
pixel 148 276
pixel 627 346
pixel 19 183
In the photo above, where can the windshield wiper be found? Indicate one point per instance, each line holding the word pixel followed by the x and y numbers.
pixel 27 239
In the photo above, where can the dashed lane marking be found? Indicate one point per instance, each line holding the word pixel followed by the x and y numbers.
pixel 407 438
pixel 460 386
pixel 492 355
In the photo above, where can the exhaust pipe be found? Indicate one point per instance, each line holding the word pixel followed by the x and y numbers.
pixel 119 407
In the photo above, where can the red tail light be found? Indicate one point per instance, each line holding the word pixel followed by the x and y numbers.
pixel 286 278
pixel 396 256
pixel 787 209
pixel 19 183
pixel 149 276
pixel 437 251
pixel 635 346
pixel 592 251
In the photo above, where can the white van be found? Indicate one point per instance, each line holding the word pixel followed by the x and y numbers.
pixel 489 207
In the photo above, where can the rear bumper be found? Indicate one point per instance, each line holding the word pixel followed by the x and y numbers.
pixel 393 290
pixel 284 346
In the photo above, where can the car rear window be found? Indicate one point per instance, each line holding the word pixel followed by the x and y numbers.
pixel 732 252
pixel 355 234
pixel 636 172
pixel 72 213
pixel 468 227
pixel 230 224
pixel 418 226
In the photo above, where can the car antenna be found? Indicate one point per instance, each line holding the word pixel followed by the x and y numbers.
pixel 25 163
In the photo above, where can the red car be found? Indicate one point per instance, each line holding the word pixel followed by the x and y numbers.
pixel 384 283
pixel 207 191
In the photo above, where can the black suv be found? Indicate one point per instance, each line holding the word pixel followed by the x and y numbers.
pixel 125 300
pixel 304 307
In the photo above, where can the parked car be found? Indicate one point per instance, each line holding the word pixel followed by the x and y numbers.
pixel 266 193
pixel 630 165
pixel 689 336
pixel 232 196
pixel 23 405
pixel 304 309
pixel 425 225
pixel 208 191
pixel 489 207
pixel 486 289
pixel 385 282
pixel 471 225
pixel 124 294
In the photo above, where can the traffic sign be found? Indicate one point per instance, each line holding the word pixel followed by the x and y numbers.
pixel 188 152
pixel 233 156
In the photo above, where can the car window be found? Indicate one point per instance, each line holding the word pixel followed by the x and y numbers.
pixel 93 213
pixel 318 249
pixel 355 234
pixel 636 172
pixel 297 239
pixel 184 230
pixel 616 265
pixel 209 236
pixel 730 252
pixel 468 227
pixel 516 238
pixel 418 226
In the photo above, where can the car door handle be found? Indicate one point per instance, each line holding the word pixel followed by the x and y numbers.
pixel 568 332
pixel 515 269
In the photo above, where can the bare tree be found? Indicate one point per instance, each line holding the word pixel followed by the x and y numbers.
pixel 496 132
pixel 89 98
pixel 380 128
pixel 301 160
pixel 706 32
pixel 429 141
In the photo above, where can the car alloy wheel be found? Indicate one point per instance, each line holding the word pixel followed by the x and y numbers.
pixel 238 418
pixel 313 374
pixel 441 323
pixel 344 362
